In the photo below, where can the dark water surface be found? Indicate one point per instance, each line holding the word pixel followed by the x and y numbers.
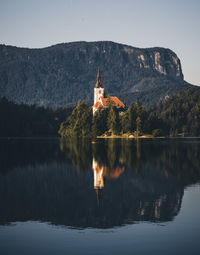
pixel 114 196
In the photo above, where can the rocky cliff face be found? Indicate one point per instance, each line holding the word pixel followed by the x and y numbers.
pixel 65 73
pixel 158 59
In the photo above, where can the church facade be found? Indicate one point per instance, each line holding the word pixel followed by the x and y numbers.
pixel 100 102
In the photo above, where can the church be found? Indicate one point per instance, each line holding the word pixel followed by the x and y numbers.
pixel 100 102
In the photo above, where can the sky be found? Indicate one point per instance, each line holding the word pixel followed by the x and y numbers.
pixel 173 24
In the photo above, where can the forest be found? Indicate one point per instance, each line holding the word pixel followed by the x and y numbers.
pixel 181 114
pixel 20 120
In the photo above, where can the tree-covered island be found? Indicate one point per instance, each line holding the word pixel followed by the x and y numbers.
pixel 179 115
pixel 134 121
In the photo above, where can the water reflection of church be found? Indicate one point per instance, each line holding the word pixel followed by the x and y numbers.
pixel 101 172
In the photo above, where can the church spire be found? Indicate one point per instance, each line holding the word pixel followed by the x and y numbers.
pixel 98 82
pixel 98 193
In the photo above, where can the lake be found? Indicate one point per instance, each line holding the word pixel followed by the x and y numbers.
pixel 111 196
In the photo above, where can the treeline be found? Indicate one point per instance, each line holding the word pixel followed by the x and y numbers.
pixel 20 120
pixel 179 115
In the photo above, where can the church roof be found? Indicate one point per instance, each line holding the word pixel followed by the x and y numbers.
pixel 97 105
pixel 103 102
pixel 116 101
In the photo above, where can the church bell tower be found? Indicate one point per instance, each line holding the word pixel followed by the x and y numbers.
pixel 98 90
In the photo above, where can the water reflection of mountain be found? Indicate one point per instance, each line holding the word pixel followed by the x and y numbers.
pixel 144 181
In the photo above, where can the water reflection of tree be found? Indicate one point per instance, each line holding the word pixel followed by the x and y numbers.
pixel 79 151
pixel 175 159
pixel 178 161
pixel 111 153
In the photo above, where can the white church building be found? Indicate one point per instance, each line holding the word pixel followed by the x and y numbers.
pixel 100 102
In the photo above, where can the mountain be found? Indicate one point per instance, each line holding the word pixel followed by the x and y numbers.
pixel 65 73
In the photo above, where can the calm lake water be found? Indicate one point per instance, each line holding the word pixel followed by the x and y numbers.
pixel 114 196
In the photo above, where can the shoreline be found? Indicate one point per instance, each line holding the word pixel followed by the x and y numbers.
pixel 131 137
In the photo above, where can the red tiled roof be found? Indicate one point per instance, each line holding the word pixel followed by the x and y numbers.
pixel 97 105
pixel 106 173
pixel 116 101
pixel 117 172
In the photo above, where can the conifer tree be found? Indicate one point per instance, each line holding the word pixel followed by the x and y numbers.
pixel 79 123
pixel 126 120
pixel 94 127
pixel 138 126
pixel 112 120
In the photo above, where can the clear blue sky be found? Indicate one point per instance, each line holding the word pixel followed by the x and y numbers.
pixel 173 24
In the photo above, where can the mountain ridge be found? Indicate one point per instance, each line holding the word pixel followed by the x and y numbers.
pixel 87 42
pixel 64 73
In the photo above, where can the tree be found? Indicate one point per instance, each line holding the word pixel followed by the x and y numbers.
pixel 138 126
pixel 138 111
pixel 112 120
pixel 94 127
pixel 79 123
pixel 125 120
pixel 99 122
pixel 109 101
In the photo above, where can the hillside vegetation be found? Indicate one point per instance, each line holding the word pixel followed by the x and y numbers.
pixel 65 73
